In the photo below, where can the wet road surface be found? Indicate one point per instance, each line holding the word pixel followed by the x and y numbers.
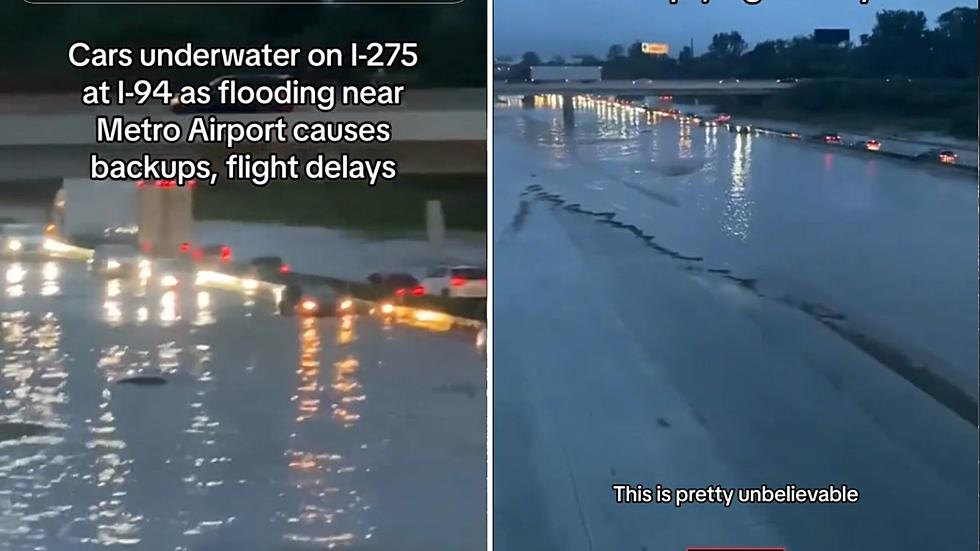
pixel 672 271
pixel 199 420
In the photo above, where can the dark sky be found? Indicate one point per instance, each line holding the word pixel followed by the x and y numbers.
pixel 569 27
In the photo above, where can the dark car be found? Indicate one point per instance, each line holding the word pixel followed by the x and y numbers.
pixel 216 106
pixel 787 81
pixel 831 138
pixel 324 302
pixel 212 255
pixel 397 283
pixel 269 268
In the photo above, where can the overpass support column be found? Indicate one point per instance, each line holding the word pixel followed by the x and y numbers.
pixel 527 102
pixel 568 109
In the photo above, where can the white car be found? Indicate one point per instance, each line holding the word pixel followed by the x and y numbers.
pixel 21 239
pixel 116 259
pixel 456 282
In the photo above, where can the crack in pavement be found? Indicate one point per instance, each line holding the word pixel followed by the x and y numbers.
pixel 918 373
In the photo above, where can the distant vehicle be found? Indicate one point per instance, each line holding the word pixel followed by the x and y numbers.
pixel 666 97
pixel 324 303
pixel 944 156
pixel 729 81
pixel 21 239
pixel 872 145
pixel 115 259
pixel 723 118
pixel 565 73
pixel 398 284
pixel 269 268
pixel 831 138
pixel 215 105
pixel 456 282
pixel 211 255
pixel 643 81
pixel 787 81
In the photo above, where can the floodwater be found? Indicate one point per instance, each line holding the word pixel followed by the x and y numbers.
pixel 890 245
pixel 728 310
pixel 196 419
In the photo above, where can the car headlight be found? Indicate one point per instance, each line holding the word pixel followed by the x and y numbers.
pixel 250 284
pixel 387 308
pixel 346 304
pixel 14 245
pixel 308 305
pixel 169 280
pixel 112 264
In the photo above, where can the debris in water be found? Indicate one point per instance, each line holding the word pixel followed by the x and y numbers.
pixel 15 430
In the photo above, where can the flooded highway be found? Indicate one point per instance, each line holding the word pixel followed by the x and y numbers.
pixel 728 309
pixel 198 419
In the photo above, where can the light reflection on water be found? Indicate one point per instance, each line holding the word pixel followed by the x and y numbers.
pixel 609 136
pixel 738 207
pixel 35 380
pixel 165 467
pixel 329 503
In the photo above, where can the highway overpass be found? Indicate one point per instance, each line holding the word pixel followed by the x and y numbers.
pixel 647 87
pixel 433 131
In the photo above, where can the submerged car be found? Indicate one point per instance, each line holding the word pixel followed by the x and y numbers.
pixel 396 283
pixel 456 282
pixel 872 145
pixel 269 268
pixel 212 255
pixel 324 302
pixel 831 138
pixel 944 156
pixel 115 260
pixel 21 239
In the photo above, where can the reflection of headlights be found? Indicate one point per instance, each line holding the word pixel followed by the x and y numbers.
pixel 14 245
pixel 50 271
pixel 112 264
pixel 15 274
pixel 168 280
pixel 346 304
pixel 425 315
pixel 250 284
pixel 387 308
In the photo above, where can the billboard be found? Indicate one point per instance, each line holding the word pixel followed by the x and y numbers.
pixel 831 36
pixel 655 48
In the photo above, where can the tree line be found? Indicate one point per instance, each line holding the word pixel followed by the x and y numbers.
pixel 901 44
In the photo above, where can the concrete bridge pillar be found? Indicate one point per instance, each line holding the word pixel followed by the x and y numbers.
pixel 527 102
pixel 568 109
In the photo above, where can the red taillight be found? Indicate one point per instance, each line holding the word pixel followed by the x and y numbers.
pixel 146 246
pixel 418 290
pixel 457 281
pixel 226 253
pixel 140 183
pixel 197 254
pixel 400 292
pixel 284 269
pixel 184 247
